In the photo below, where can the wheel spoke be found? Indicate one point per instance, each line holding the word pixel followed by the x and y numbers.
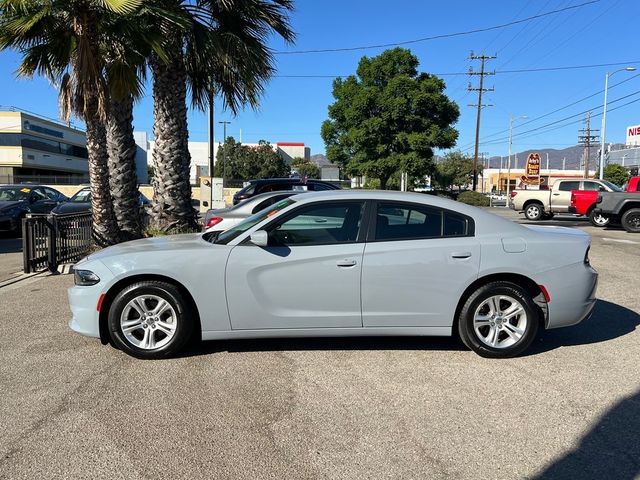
pixel 494 305
pixel 128 327
pixel 139 306
pixel 513 311
pixel 161 307
pixel 494 333
pixel 166 328
pixel 510 328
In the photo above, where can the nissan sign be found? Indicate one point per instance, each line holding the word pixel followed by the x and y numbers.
pixel 633 136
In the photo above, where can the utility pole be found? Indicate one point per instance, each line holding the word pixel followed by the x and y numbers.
pixel 587 139
pixel 480 89
pixel 224 141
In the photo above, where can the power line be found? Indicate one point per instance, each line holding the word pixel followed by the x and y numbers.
pixel 436 37
pixel 522 70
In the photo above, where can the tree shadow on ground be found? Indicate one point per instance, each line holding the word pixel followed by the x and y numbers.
pixel 608 321
pixel 611 449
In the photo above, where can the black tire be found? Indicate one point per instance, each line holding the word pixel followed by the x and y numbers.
pixel 598 220
pixel 631 220
pixel 534 211
pixel 470 337
pixel 184 320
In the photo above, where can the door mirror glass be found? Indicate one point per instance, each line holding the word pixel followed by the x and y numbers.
pixel 259 238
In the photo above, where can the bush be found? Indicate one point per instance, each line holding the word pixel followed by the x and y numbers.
pixel 474 198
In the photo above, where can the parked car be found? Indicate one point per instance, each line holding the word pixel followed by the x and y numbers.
pixel 223 218
pixel 584 202
pixel 18 200
pixel 622 207
pixel 542 204
pixel 340 263
pixel 299 184
pixel 81 202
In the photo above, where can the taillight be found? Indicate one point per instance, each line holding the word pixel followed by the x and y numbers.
pixel 213 221
pixel 573 199
pixel 513 193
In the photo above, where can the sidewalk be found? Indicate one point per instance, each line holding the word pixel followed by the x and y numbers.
pixel 10 258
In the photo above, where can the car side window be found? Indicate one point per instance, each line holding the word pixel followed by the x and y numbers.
pixel 37 194
pixel 319 187
pixel 397 221
pixel 50 193
pixel 319 224
pixel 265 203
pixel 456 225
pixel 568 186
pixel 593 186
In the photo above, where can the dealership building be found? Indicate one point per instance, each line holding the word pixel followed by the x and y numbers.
pixel 629 155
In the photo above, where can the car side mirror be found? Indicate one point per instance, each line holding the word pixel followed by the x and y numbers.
pixel 260 238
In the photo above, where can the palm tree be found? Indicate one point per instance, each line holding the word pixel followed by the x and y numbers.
pixel 225 51
pixel 61 41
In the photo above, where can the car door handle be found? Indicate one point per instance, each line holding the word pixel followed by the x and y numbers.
pixel 460 254
pixel 346 263
pixel 556 194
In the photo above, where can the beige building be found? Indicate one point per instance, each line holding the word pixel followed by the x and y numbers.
pixel 40 150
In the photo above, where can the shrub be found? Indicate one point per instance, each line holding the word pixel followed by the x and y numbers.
pixel 474 198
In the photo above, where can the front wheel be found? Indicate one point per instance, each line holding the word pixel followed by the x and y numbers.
pixel 631 220
pixel 498 320
pixel 534 211
pixel 150 319
pixel 597 219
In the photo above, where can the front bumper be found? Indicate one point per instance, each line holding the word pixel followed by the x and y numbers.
pixel 9 223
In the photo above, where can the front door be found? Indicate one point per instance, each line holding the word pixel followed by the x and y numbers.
pixel 561 197
pixel 308 276
pixel 420 261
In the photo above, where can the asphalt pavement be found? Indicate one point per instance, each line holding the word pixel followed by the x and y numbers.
pixel 335 408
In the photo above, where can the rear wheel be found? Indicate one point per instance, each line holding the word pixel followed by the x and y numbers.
pixel 498 320
pixel 597 219
pixel 150 319
pixel 534 211
pixel 631 220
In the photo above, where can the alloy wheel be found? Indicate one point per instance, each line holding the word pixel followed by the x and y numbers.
pixel 148 322
pixel 500 321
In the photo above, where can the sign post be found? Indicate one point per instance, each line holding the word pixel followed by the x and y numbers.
pixel 532 171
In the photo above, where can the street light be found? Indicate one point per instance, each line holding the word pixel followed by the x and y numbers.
pixel 511 120
pixel 604 116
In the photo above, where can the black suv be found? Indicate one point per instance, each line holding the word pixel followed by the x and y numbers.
pixel 276 184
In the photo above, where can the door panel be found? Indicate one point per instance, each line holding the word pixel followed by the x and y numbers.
pixel 294 287
pixel 416 282
pixel 561 197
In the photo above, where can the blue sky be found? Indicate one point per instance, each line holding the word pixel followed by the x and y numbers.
pixel 293 108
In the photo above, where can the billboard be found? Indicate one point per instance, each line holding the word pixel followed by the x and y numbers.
pixel 633 136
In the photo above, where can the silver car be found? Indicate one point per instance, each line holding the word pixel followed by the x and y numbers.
pixel 340 263
pixel 217 220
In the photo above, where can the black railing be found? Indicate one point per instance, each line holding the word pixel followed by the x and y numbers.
pixel 50 240
pixel 45 179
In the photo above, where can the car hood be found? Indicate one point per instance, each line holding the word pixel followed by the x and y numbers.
pixel 71 207
pixel 166 243
pixel 9 204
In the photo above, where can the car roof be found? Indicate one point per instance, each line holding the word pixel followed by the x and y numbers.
pixel 287 180
pixel 24 185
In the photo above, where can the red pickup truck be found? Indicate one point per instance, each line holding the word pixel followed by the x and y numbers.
pixel 583 202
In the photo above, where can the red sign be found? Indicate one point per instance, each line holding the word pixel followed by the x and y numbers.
pixel 532 168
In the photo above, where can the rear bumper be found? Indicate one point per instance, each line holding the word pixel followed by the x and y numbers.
pixel 572 290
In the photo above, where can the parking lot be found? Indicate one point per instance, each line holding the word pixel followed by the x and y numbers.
pixel 316 408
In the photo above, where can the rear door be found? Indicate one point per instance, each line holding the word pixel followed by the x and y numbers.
pixel 561 196
pixel 307 277
pixel 417 262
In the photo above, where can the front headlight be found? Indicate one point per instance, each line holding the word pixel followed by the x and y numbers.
pixel 85 278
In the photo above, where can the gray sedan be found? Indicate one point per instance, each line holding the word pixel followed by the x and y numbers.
pixel 340 263
pixel 217 220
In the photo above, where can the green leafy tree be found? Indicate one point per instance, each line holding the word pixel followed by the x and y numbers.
pixel 388 118
pixel 305 168
pixel 616 174
pixel 244 162
pixel 455 170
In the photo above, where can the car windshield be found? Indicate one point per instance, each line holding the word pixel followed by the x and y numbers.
pixel 14 194
pixel 83 196
pixel 249 222
pixel 612 186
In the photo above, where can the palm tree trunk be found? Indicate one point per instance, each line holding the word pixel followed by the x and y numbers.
pixel 123 181
pixel 105 229
pixel 171 159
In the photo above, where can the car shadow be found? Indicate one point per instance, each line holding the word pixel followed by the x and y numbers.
pixel 608 321
pixel 611 448
pixel 9 243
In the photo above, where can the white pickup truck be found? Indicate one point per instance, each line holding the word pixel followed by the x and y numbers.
pixel 543 204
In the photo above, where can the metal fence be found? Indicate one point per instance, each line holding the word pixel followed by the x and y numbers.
pixel 44 179
pixel 51 240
